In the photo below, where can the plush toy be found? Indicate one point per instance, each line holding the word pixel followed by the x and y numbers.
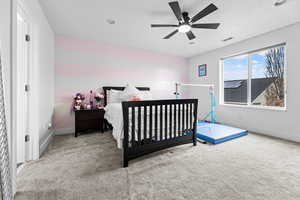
pixel 78 101
pixel 98 97
pixel 135 98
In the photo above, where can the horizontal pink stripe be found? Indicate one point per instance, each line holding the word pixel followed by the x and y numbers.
pixel 143 74
pixel 117 51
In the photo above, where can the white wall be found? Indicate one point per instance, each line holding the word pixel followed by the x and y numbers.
pixel 42 85
pixel 283 124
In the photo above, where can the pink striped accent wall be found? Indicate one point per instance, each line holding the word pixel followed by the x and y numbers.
pixel 83 65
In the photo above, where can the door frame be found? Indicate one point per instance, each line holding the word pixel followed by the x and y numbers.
pixel 33 154
pixel 23 148
pixel 15 4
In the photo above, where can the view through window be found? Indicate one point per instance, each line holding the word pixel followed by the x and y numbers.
pixel 255 78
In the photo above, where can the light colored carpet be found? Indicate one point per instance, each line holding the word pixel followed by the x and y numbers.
pixel 89 167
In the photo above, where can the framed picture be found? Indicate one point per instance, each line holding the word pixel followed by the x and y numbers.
pixel 202 70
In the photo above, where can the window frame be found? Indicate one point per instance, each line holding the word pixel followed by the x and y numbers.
pixel 249 103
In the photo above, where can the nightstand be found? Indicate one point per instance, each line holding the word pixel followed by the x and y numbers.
pixel 86 120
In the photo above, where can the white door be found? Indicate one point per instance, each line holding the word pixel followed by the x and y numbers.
pixel 22 87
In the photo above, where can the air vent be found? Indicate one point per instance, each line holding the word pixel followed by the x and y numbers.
pixel 227 39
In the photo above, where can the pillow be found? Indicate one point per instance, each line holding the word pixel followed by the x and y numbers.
pixel 135 98
pixel 113 96
pixel 129 92
pixel 145 95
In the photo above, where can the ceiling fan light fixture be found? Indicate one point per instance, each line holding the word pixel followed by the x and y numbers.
pixel 185 23
pixel 184 28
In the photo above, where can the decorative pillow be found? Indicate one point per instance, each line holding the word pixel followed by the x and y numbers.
pixel 135 98
pixel 129 92
pixel 145 95
pixel 113 96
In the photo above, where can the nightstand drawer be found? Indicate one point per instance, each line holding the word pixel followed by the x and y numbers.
pixel 87 120
pixel 89 114
pixel 89 124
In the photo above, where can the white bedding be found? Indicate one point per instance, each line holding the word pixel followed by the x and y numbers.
pixel 114 115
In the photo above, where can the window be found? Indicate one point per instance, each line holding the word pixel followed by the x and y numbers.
pixel 255 78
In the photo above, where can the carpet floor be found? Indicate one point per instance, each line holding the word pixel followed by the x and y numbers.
pixel 89 168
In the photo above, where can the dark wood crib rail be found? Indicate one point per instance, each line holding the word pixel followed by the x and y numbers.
pixel 158 125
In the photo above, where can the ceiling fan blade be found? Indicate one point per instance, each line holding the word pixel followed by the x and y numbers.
pixel 163 25
pixel 176 9
pixel 190 35
pixel 206 11
pixel 171 34
pixel 206 26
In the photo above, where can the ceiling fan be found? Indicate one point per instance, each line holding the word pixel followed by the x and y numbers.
pixel 185 23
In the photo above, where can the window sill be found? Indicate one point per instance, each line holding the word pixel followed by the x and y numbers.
pixel 284 109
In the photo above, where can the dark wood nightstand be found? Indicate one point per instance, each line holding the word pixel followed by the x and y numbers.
pixel 86 120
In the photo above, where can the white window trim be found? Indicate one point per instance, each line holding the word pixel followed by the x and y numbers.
pixel 249 105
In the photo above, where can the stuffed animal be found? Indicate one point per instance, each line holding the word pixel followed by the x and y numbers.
pixel 78 101
pixel 135 98
pixel 98 96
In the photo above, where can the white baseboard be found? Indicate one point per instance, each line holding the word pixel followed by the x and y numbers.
pixel 45 144
pixel 20 168
pixel 64 131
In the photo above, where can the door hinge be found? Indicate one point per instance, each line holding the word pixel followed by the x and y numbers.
pixel 26 88
pixel 27 138
pixel 27 38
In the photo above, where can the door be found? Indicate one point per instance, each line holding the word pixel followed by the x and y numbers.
pixel 23 42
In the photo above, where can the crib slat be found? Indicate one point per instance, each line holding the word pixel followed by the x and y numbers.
pixel 175 120
pixel 161 122
pixel 170 122
pixel 156 122
pixel 126 126
pixel 191 117
pixel 179 119
pixel 187 117
pixel 139 125
pixel 145 123
pixel 125 110
pixel 133 126
pixel 183 119
pixel 166 121
pixel 150 122
pixel 195 114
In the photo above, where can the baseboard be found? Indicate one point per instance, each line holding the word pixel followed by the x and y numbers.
pixel 64 131
pixel 45 144
pixel 278 137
